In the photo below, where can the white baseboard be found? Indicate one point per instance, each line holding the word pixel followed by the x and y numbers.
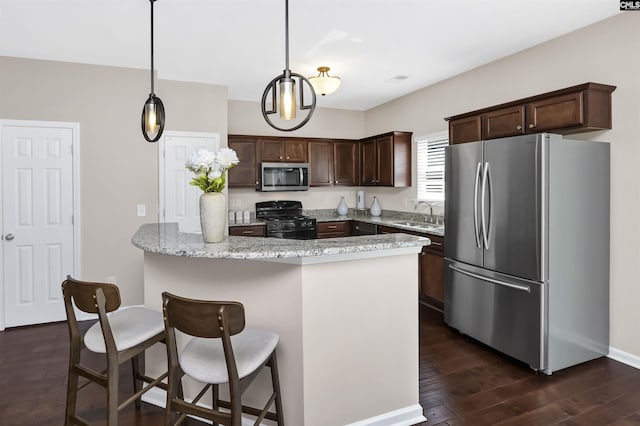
pixel 624 357
pixel 403 417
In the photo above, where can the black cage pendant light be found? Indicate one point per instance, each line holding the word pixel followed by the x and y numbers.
pixel 153 111
pixel 284 99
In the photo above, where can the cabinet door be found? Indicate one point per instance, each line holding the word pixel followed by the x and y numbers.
pixel 320 163
pixel 557 112
pixel 295 151
pixel 384 155
pixel 466 129
pixel 503 122
pixel 368 164
pixel 272 150
pixel 245 174
pixel 345 163
pixel 432 277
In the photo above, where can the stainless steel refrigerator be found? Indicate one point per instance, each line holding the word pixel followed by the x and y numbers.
pixel 527 247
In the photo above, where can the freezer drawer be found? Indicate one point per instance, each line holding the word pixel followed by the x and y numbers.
pixel 501 311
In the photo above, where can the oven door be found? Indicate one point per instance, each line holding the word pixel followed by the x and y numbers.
pixel 310 233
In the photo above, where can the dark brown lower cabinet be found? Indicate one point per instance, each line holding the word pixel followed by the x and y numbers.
pixel 432 273
pixel 333 229
pixel 247 231
pixel 430 268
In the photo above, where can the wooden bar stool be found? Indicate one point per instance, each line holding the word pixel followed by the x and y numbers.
pixel 122 335
pixel 221 350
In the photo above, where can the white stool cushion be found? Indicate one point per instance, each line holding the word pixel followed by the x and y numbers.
pixel 203 359
pixel 129 327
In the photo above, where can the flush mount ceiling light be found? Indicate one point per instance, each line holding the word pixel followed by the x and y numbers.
pixel 153 111
pixel 284 99
pixel 323 83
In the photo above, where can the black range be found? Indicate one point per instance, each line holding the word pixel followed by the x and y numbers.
pixel 284 219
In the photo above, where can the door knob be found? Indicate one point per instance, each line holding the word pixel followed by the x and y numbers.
pixel 9 237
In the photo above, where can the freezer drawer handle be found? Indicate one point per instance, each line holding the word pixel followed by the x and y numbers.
pixel 491 280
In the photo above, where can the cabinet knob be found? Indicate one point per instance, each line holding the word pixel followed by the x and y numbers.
pixel 257 183
pixel 281 157
pixel 531 126
pixel 287 158
pixel 336 181
pixel 518 127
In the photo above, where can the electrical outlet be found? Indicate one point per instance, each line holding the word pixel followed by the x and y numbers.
pixel 142 210
pixel 111 280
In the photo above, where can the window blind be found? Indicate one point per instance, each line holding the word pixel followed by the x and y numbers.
pixel 430 167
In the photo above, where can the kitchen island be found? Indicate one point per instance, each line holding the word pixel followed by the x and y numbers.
pixel 345 308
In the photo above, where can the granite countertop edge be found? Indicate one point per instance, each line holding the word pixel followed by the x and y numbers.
pixel 166 239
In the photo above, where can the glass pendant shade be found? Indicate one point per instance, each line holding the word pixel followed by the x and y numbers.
pixel 152 121
pixel 153 118
pixel 323 83
pixel 287 99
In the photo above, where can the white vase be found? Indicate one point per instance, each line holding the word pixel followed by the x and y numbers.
pixel 213 216
pixel 375 209
pixel 342 209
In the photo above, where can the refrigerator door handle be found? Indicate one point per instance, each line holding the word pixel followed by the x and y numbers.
pixel 491 280
pixel 486 219
pixel 475 204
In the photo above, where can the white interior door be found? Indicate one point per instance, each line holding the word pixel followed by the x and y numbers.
pixel 37 221
pixel 179 201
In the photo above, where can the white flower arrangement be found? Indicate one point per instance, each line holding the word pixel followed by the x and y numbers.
pixel 210 168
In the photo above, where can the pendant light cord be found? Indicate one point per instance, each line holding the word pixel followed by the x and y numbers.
pixel 152 91
pixel 286 34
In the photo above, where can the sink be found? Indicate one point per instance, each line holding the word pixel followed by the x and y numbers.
pixel 406 223
pixel 420 225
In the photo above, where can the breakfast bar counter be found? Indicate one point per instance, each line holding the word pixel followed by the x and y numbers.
pixel 346 311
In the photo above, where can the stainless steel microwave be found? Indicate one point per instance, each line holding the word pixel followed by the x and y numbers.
pixel 284 177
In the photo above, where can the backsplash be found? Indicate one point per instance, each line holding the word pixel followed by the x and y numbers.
pixel 401 200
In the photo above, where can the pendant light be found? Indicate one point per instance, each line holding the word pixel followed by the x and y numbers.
pixel 153 117
pixel 323 83
pixel 283 98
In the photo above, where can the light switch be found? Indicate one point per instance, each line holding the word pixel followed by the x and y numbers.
pixel 142 210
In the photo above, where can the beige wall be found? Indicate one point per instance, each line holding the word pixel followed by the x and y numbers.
pixel 118 168
pixel 601 53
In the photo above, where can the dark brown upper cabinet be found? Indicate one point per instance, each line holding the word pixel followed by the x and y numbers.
pixel 345 163
pixel 333 162
pixel 385 160
pixel 575 109
pixel 320 162
pixel 288 150
pixel 246 173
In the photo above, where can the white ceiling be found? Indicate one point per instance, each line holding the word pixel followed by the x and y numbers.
pixel 240 43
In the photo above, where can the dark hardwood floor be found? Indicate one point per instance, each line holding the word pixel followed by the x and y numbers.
pixel 461 383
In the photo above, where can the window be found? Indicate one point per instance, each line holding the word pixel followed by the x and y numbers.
pixel 430 167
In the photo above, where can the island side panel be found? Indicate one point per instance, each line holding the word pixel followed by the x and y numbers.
pixel 360 338
pixel 271 294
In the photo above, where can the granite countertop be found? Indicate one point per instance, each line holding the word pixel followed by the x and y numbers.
pixel 167 239
pixel 401 220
